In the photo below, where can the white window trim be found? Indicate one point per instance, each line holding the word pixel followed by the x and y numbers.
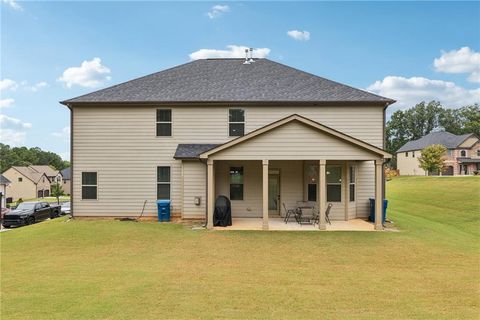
pixel 88 185
pixel 236 122
pixel 342 196
pixel 171 123
pixel 164 182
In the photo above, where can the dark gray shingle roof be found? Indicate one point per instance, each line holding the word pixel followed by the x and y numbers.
pixel 192 151
pixel 468 160
pixel 449 140
pixel 4 180
pixel 229 80
pixel 66 174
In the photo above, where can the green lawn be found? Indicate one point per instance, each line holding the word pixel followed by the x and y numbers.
pixel 127 270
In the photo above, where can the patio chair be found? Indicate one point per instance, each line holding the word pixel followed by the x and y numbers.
pixel 288 212
pixel 300 218
pixel 316 215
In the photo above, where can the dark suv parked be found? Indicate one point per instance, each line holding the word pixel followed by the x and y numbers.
pixel 30 212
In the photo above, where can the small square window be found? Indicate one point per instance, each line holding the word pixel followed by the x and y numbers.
pixel 20 179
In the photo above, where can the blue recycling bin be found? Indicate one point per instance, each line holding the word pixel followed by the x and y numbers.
pixel 163 210
pixel 371 217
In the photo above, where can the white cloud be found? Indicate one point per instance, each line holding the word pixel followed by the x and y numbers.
pixel 37 86
pixel 14 4
pixel 464 60
pixel 12 137
pixel 5 103
pixel 65 155
pixel 233 51
pixel 217 10
pixel 8 84
pixel 299 35
pixel 12 130
pixel 410 91
pixel 7 121
pixel 89 74
pixel 64 134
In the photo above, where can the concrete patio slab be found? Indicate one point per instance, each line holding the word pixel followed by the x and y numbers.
pixel 277 224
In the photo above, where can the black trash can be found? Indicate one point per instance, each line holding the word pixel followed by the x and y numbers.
pixel 371 217
pixel 222 216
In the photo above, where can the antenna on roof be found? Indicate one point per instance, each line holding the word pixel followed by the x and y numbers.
pixel 246 57
pixel 251 55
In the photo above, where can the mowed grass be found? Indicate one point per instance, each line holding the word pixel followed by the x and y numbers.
pixel 126 270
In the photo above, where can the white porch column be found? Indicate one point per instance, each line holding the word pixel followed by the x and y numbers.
pixel 210 193
pixel 265 194
pixel 322 193
pixel 378 194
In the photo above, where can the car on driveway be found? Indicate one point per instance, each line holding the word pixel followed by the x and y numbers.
pixel 30 212
pixel 66 208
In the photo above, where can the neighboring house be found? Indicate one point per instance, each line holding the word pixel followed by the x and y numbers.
pixel 462 158
pixel 4 182
pixel 66 185
pixel 52 173
pixel 262 134
pixel 26 183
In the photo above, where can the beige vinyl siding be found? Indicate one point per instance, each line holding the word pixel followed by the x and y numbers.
pixel 365 187
pixel 119 143
pixel 194 185
pixel 293 141
pixel 251 205
pixel 408 165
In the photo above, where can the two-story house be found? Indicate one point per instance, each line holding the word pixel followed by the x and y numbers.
pixel 260 133
pixel 462 158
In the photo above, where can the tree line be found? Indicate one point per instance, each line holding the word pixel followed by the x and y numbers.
pixel 23 156
pixel 423 118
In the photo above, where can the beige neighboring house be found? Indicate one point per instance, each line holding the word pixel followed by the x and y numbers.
pixel 66 180
pixel 52 173
pixel 261 133
pixel 26 183
pixel 462 158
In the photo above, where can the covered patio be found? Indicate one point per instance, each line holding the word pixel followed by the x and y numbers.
pixel 278 224
pixel 244 168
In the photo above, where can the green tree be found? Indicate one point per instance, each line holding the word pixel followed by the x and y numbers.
pixel 57 191
pixel 23 156
pixel 432 158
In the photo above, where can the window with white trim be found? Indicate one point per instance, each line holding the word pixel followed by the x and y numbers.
pixel 89 185
pixel 236 122
pixel 351 183
pixel 463 153
pixel 163 183
pixel 164 122
pixel 334 183
pixel 236 183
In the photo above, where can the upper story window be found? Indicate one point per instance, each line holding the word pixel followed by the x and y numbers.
pixel 450 152
pixel 164 122
pixel 20 179
pixel 89 185
pixel 463 153
pixel 478 153
pixel 236 122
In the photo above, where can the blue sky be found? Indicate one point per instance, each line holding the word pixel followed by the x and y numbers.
pixel 51 51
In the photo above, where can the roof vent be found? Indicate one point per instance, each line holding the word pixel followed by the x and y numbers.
pixel 246 57
pixel 251 56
